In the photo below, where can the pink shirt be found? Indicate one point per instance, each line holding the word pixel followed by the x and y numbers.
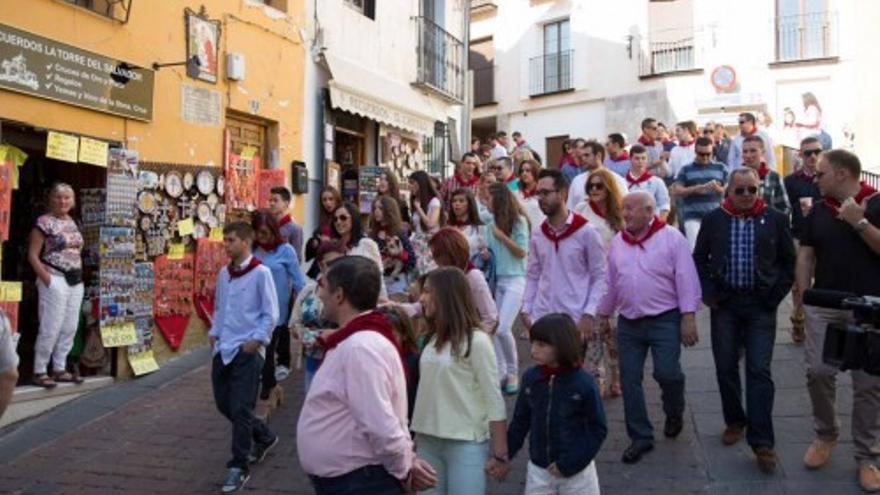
pixel 643 282
pixel 570 281
pixel 355 413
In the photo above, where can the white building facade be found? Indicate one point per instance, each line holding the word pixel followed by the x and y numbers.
pixel 585 68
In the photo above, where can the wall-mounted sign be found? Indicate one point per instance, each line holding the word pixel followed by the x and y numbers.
pixel 724 78
pixel 60 146
pixel 200 106
pixel 203 42
pixel 48 69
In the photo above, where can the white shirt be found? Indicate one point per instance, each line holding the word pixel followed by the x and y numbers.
pixel 679 157
pixel 498 151
pixel 577 190
pixel 531 207
pixel 657 188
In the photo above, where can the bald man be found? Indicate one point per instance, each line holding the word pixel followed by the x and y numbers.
pixel 657 300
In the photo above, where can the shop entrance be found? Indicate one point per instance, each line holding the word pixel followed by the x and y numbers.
pixel 36 176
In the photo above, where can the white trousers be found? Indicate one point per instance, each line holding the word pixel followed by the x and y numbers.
pixel 508 298
pixel 539 481
pixel 59 307
pixel 691 230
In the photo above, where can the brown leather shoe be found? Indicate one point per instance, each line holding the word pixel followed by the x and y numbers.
pixel 819 453
pixel 766 458
pixel 869 478
pixel 732 434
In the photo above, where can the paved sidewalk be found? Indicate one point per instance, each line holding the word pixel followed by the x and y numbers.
pixel 150 436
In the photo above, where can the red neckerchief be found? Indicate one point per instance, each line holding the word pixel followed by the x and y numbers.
pixel 528 193
pixel 645 140
pixel 685 144
pixel 656 226
pixel 474 180
pixel 623 155
pixel 755 210
pixel 325 230
pixel 284 220
pixel 235 272
pixel 864 193
pixel 577 222
pixel 372 321
pixel 548 371
pixel 747 134
pixel 596 210
pixel 470 266
pixel 763 170
pixel 634 181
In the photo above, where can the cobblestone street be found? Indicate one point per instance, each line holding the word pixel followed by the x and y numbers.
pixel 168 438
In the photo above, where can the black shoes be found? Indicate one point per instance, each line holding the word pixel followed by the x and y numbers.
pixel 635 451
pixel 260 449
pixel 673 426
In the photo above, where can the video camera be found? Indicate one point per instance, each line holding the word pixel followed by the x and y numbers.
pixel 848 346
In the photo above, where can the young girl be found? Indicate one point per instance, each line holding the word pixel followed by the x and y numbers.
pixel 331 200
pixel 398 256
pixel 560 409
pixel 464 215
pixel 427 217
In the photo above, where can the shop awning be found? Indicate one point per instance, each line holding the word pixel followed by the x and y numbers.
pixel 358 90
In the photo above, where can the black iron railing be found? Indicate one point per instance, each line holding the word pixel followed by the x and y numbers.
pixel 666 57
pixel 551 73
pixel 806 36
pixel 871 178
pixel 441 60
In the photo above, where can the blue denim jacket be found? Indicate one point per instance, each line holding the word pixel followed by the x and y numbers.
pixel 564 418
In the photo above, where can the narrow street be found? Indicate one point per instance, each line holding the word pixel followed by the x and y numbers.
pixel 169 439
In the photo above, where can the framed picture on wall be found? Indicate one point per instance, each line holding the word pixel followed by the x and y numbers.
pixel 333 175
pixel 203 43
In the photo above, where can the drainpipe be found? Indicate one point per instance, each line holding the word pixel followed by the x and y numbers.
pixel 468 82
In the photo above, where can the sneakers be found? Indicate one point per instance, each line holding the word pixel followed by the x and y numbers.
pixel 673 426
pixel 869 478
pixel 818 453
pixel 235 480
pixel 766 458
pixel 732 434
pixel 259 450
pixel 281 372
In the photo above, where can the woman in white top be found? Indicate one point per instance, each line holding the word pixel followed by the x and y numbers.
pixel 602 209
pixel 347 227
pixel 459 413
pixel 427 217
pixel 526 190
pixel 464 215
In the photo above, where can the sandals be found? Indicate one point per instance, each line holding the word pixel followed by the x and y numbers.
pixel 68 377
pixel 44 380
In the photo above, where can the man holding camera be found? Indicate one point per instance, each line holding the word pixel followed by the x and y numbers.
pixel 841 241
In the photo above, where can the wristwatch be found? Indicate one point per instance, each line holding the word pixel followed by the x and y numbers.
pixel 861 225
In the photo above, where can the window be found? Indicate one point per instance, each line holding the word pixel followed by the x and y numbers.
pixel 805 30
pixel 551 72
pixel 117 10
pixel 365 7
pixel 481 60
pixel 280 5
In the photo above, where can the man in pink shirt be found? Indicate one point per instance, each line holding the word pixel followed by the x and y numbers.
pixel 657 301
pixel 352 435
pixel 566 267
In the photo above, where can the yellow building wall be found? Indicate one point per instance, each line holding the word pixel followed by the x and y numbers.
pixel 271 90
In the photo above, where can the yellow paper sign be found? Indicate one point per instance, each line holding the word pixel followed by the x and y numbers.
pixel 176 251
pixel 185 227
pixel 62 146
pixel 119 335
pixel 216 234
pixel 93 151
pixel 248 152
pixel 10 291
pixel 143 362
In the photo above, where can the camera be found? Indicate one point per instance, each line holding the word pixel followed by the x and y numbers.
pixel 850 346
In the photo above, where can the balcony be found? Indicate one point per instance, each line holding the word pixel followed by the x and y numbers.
pixel 484 86
pixel 806 37
pixel 441 61
pixel 118 10
pixel 551 73
pixel 668 57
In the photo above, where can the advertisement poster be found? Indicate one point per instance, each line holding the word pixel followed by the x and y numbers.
pixel 368 187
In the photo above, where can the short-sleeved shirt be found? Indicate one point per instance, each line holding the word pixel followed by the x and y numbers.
pixel 844 262
pixel 696 206
pixel 8 356
pixel 62 247
pixel 800 185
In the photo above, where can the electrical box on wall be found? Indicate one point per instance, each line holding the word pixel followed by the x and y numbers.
pixel 235 66
pixel 299 177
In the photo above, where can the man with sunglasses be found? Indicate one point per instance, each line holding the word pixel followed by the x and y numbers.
pixel 771 188
pixel 699 188
pixel 748 126
pixel 840 245
pixel 650 139
pixel 803 192
pixel 745 256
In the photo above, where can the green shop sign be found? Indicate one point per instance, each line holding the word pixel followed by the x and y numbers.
pixel 48 69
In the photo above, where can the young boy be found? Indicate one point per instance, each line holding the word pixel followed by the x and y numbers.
pixel 245 315
pixel 279 205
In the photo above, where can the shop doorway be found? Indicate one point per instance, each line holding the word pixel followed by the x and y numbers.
pixel 36 176
pixel 554 150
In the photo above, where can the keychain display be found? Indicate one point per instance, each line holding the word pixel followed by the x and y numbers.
pixel 210 259
pixel 143 307
pixel 122 188
pixel 269 179
pixel 242 182
pixel 117 275
pixel 172 297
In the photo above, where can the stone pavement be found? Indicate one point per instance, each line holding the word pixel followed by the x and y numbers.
pixel 161 434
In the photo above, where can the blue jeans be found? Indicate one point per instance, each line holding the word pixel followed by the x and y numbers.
pixel 744 322
pixel 235 394
pixel 459 464
pixel 374 480
pixel 662 335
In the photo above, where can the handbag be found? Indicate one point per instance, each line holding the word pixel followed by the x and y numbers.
pixel 72 277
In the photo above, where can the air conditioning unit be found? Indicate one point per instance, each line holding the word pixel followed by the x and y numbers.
pixel 235 66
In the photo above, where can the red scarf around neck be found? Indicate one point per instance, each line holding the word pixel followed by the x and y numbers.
pixel 528 193
pixel 577 222
pixel 864 193
pixel 656 226
pixel 634 181
pixel 755 210
pixel 372 321
pixel 549 371
pixel 763 170
pixel 685 144
pixel 595 207
pixel 284 220
pixel 235 271
pixel 622 156
pixel 473 181
pixel 645 140
pixel 752 133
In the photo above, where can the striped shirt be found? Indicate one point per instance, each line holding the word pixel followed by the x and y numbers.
pixel 696 206
pixel 740 273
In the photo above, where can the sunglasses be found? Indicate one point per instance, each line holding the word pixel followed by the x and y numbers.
pixel 343 218
pixel 705 155
pixel 596 186
pixel 811 152
pixel 741 191
pixel 496 167
pixel 741 122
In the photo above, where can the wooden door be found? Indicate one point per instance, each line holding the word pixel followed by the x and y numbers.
pixel 247 133
pixel 554 151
